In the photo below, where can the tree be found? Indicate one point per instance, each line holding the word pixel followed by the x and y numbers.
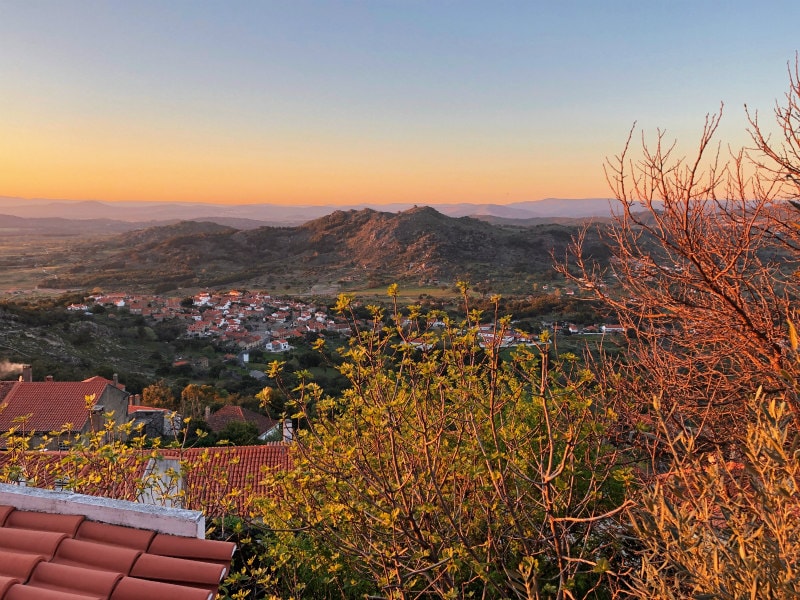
pixel 194 399
pixel 704 256
pixel 715 528
pixel 160 395
pixel 239 433
pixel 705 272
pixel 451 472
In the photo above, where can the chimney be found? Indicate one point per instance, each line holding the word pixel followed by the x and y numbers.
pixel 27 373
pixel 288 431
pixel 49 378
pixel 116 380
pixel 208 412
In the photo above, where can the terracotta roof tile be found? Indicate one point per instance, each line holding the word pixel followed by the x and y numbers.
pixel 218 480
pixel 183 547
pixel 105 533
pixel 25 519
pixel 226 479
pixel 131 588
pixel 97 556
pixel 72 579
pixel 179 570
pixel 5 583
pixel 45 402
pixel 44 543
pixel 18 564
pixel 66 557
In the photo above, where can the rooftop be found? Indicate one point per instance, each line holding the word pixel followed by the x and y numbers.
pixel 237 414
pixel 58 545
pixel 49 404
pixel 218 480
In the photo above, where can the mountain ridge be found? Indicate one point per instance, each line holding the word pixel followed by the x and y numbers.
pixel 363 247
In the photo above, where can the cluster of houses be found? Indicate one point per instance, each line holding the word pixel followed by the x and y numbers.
pixel 575 329
pixel 256 320
pixel 250 320
pixel 52 414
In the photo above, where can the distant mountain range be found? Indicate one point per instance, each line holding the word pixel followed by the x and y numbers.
pixel 341 250
pixel 251 216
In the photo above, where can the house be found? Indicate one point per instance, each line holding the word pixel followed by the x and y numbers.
pixel 256 374
pixel 38 408
pixel 236 414
pixel 612 328
pixel 277 346
pixel 420 343
pixel 227 480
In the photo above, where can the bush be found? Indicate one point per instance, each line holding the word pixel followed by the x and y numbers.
pixel 448 472
pixel 715 528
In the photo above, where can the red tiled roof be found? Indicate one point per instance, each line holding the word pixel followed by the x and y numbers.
pixel 218 481
pixel 113 476
pixel 5 387
pixel 225 480
pixel 60 556
pixel 50 404
pixel 237 414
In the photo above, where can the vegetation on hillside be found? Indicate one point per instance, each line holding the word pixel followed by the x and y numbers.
pixel 343 250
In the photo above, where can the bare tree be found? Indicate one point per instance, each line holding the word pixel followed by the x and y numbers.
pixel 703 275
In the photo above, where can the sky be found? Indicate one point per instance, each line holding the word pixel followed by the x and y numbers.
pixel 372 101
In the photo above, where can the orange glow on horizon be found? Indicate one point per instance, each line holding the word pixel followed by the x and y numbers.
pixel 226 184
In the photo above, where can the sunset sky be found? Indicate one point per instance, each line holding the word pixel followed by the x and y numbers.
pixel 372 101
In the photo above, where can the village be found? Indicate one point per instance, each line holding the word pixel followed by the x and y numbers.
pixel 246 319
pixel 257 320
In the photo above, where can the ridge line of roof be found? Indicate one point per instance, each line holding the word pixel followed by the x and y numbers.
pixel 171 520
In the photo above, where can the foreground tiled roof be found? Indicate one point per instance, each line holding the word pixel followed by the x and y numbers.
pixel 50 404
pixel 61 556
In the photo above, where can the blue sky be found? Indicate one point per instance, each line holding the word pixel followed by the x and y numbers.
pixel 372 101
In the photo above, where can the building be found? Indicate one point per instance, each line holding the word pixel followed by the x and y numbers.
pixel 38 408
pixel 218 481
pixel 267 428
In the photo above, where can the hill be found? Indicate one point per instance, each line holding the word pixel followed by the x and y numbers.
pixel 344 249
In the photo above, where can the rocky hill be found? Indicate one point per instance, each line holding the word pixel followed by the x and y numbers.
pixel 343 249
